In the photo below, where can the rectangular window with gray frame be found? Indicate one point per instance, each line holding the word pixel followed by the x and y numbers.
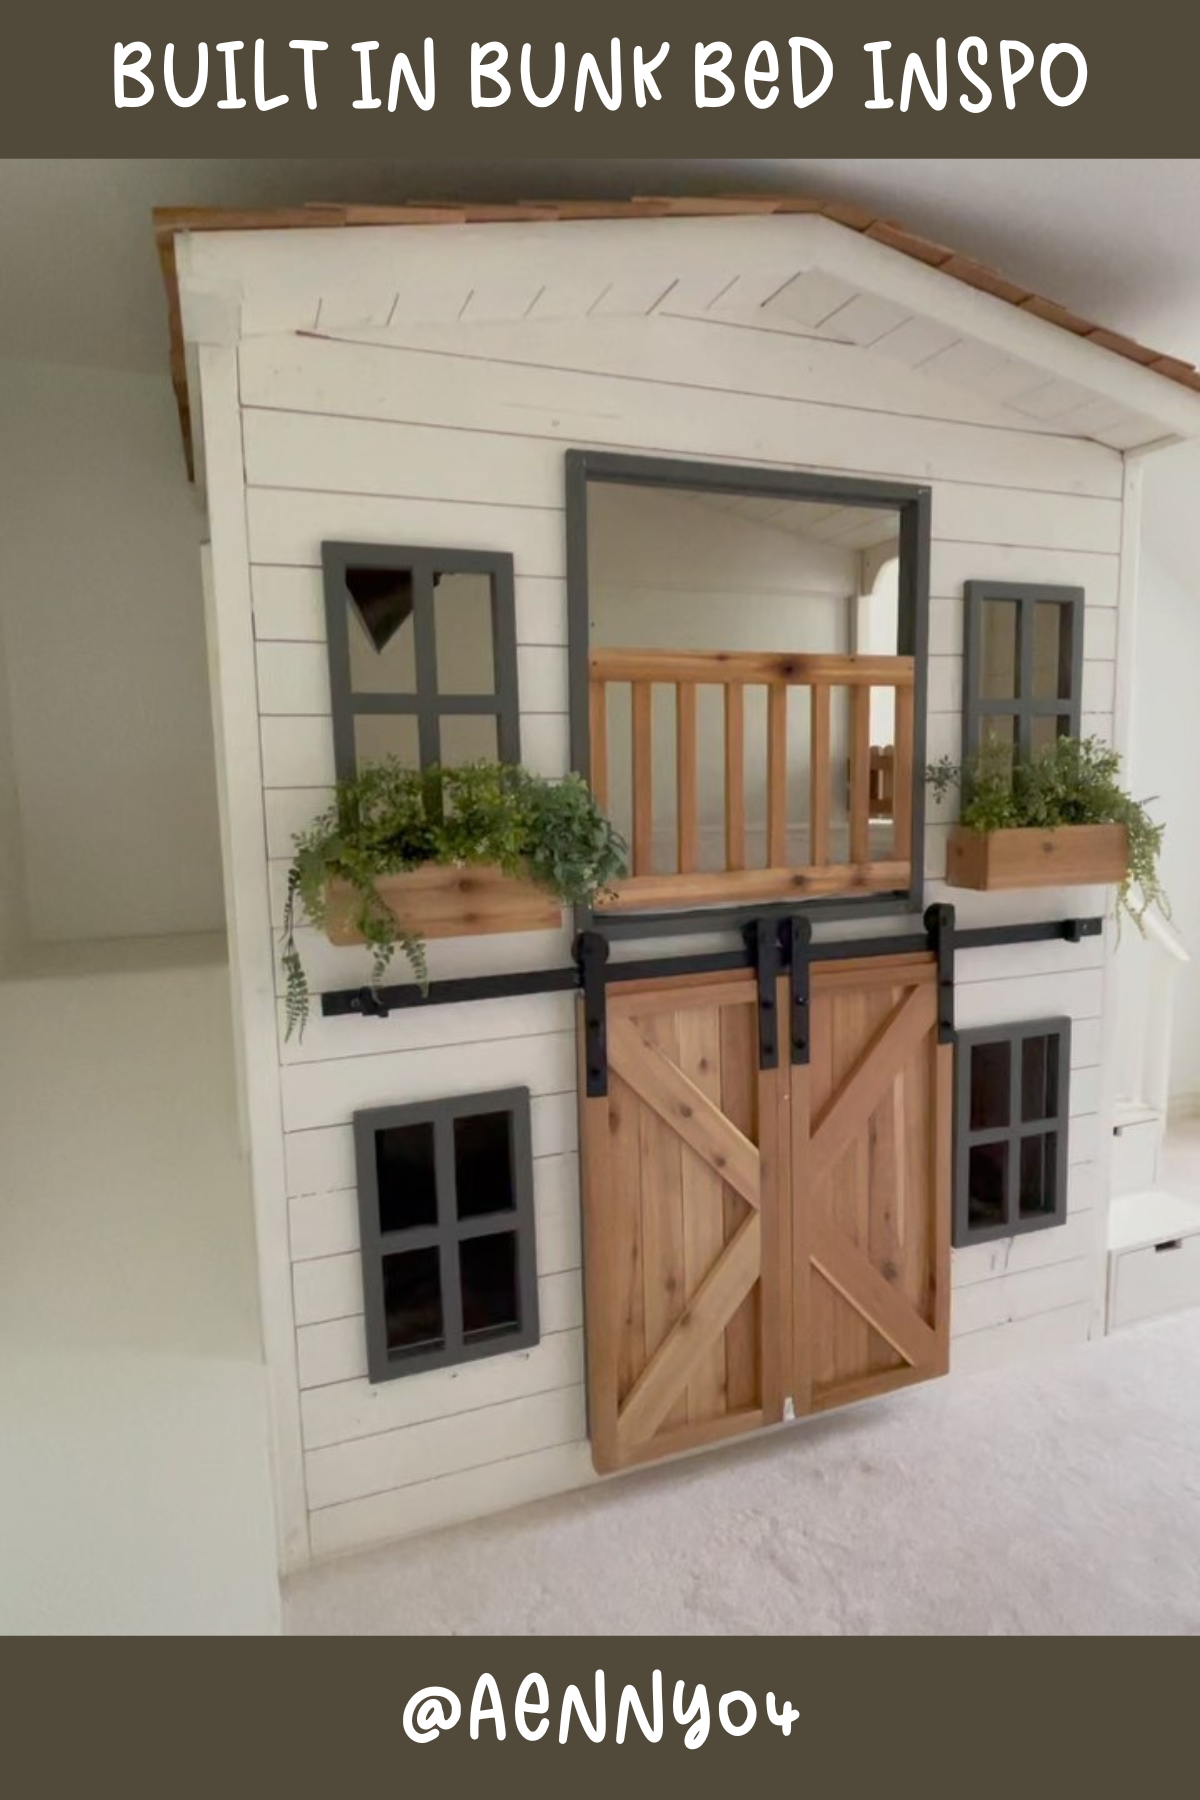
pixel 445 1201
pixel 1012 1103
pixel 1022 665
pixel 422 655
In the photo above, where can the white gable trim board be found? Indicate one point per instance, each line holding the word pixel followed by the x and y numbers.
pixel 422 386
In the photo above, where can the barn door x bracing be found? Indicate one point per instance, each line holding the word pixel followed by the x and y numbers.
pixel 760 1241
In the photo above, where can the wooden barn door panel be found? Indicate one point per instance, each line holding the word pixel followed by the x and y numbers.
pixel 871 1174
pixel 686 1339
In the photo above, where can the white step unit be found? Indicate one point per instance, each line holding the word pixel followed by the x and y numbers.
pixel 1153 1257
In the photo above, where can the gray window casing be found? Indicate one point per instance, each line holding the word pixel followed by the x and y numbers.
pixel 1023 706
pixel 963 1232
pixel 447 1233
pixel 426 704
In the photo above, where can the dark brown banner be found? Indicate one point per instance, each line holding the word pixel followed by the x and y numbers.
pixel 872 1718
pixel 464 80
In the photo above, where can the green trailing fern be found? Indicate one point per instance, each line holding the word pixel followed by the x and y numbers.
pixel 1070 782
pixel 388 819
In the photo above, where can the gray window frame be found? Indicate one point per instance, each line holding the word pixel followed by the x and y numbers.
pixel 912 502
pixel 447 1233
pixel 1012 1134
pixel 427 704
pixel 1023 707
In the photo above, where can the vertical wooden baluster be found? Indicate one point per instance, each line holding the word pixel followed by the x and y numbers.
pixel 860 775
pixel 818 800
pixel 598 740
pixel 685 775
pixel 777 850
pixel 902 777
pixel 643 778
pixel 735 776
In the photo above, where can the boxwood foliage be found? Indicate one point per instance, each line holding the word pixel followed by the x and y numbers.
pixel 1070 782
pixel 387 819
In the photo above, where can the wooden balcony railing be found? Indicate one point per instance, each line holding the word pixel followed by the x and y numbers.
pixel 863 793
pixel 883 780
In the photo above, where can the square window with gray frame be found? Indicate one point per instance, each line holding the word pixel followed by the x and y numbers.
pixel 445 1203
pixel 422 655
pixel 1022 665
pixel 1011 1107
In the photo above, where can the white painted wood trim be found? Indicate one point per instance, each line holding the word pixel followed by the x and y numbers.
pixel 1122 729
pixel 251 948
pixel 271 269
pixel 1127 603
pixel 978 315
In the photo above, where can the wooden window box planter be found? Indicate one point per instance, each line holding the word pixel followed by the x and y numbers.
pixel 441 901
pixel 1027 857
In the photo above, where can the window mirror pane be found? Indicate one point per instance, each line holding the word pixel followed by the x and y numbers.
pixel 999 728
pixel 987 1177
pixel 1045 729
pixel 462 612
pixel 468 737
pixel 998 666
pixel 381 630
pixel 380 735
pixel 483 1170
pixel 1051 651
pixel 412 1299
pixel 1039 1078
pixel 1039 1174
pixel 488 1270
pixel 991 1071
pixel 404 1168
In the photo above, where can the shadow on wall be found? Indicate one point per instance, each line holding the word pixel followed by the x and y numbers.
pixel 108 815
pixel 1162 759
pixel 13 922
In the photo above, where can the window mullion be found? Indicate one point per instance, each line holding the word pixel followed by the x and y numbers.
pixel 447 1193
pixel 1025 676
pixel 504 652
pixel 1012 1198
pixel 425 650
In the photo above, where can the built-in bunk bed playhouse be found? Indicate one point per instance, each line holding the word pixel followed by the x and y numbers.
pixel 746 511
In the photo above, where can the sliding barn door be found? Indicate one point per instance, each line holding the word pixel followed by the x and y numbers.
pixel 871 1136
pixel 686 1267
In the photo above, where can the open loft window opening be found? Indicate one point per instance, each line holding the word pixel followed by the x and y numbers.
pixel 748 664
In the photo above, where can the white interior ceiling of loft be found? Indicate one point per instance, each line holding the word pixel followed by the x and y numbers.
pixel 846 527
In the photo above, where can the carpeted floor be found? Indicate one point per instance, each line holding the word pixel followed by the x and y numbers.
pixel 1061 1498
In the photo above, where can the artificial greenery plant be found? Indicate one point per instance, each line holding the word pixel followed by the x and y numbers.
pixel 387 819
pixel 1069 782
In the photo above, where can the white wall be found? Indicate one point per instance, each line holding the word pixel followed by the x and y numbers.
pixel 13 923
pixel 1162 759
pixel 136 1494
pixel 103 637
